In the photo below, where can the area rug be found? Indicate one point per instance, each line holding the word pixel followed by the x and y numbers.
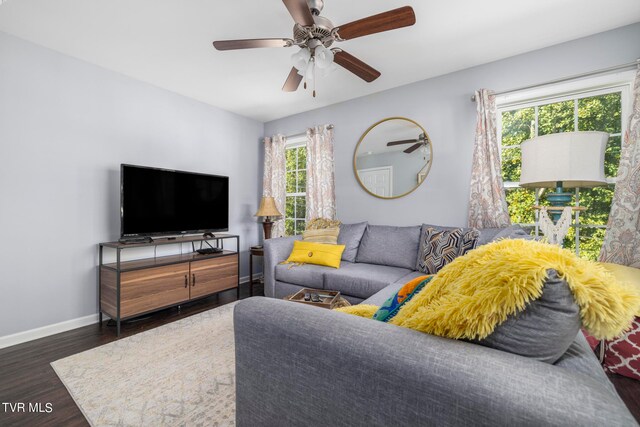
pixel 182 373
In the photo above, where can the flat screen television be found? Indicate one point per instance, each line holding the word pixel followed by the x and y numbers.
pixel 155 202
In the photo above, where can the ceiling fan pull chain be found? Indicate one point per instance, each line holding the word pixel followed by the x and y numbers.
pixel 315 77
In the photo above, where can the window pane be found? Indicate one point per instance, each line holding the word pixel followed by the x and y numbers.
pixel 590 242
pixel 517 126
pixel 300 227
pixel 289 227
pixel 511 164
pixel 555 118
pixel 520 202
pixel 302 158
pixel 290 204
pixel 601 113
pixel 302 181
pixel 291 182
pixel 598 203
pixel 612 157
pixel 301 207
pixel 290 154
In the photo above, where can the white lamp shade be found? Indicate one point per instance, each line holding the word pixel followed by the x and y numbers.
pixel 575 158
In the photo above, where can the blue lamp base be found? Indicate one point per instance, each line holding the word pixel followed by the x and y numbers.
pixel 559 199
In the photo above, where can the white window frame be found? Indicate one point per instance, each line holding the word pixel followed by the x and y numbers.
pixel 567 91
pixel 293 143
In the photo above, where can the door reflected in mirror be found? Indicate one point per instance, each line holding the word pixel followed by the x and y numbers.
pixel 393 157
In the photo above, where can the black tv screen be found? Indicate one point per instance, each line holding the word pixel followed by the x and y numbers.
pixel 161 201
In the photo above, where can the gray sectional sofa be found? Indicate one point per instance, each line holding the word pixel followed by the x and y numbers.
pixel 303 366
pixel 377 261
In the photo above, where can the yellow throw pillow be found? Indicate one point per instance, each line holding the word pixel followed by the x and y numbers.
pixel 323 235
pixel 316 253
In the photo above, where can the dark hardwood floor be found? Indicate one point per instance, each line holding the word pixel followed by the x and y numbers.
pixel 26 376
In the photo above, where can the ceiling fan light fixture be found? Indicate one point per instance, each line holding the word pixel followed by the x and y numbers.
pixel 323 57
pixel 309 73
pixel 300 59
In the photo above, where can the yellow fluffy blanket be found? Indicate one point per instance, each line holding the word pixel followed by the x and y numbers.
pixel 475 293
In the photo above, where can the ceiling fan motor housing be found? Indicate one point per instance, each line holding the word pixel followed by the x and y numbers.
pixel 321 30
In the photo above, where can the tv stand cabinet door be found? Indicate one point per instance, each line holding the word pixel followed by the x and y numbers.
pixel 213 275
pixel 151 288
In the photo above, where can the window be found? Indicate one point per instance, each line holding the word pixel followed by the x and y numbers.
pixel 296 188
pixel 595 110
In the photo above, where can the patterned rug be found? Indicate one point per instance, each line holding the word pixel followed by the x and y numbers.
pixel 182 373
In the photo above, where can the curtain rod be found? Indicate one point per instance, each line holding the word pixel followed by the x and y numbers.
pixel 575 76
pixel 298 135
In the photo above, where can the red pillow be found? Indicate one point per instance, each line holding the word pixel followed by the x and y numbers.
pixel 622 355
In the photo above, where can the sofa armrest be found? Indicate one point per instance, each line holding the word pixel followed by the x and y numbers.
pixel 275 251
pixel 301 365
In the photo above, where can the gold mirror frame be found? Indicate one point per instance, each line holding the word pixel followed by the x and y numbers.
pixel 424 172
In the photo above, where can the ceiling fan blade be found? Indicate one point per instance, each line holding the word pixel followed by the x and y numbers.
pixel 293 81
pixel 251 43
pixel 391 20
pixel 406 141
pixel 300 12
pixel 413 148
pixel 357 67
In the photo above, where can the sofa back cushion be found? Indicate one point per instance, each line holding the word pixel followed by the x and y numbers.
pixel 350 236
pixel 388 245
pixel 514 231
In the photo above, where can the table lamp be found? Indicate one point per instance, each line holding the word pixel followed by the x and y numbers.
pixel 563 160
pixel 267 210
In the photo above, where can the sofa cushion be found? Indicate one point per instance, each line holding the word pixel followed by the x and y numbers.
pixel 514 231
pixel 388 245
pixel 307 275
pixel 360 279
pixel 350 236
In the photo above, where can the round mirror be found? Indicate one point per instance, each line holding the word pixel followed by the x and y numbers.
pixel 392 158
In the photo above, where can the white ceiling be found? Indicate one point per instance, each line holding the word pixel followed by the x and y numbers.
pixel 168 43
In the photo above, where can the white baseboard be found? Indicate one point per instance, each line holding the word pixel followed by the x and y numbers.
pixel 67 325
pixel 45 331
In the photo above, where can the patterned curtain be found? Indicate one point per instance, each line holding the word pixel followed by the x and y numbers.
pixel 622 239
pixel 487 200
pixel 274 179
pixel 321 191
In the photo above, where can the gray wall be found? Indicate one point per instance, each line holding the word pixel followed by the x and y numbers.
pixel 442 106
pixel 65 127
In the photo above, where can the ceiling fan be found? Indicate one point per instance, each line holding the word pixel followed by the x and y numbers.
pixel 315 35
pixel 417 143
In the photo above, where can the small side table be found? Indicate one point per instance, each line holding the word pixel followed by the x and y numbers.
pixel 253 251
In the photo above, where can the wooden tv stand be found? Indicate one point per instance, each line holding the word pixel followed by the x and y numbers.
pixel 135 287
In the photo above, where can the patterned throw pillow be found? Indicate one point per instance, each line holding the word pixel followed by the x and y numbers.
pixel 322 230
pixel 323 235
pixel 391 306
pixel 439 247
pixel 622 355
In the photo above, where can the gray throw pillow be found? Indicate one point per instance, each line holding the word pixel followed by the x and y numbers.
pixel 545 329
pixel 350 236
pixel 388 245
pixel 438 247
pixel 515 231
